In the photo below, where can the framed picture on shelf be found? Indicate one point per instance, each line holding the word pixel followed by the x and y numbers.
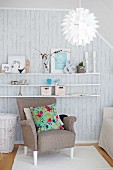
pixel 17 64
pixel 6 68
pixel 58 59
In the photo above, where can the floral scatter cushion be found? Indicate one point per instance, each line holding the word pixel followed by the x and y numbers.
pixel 46 118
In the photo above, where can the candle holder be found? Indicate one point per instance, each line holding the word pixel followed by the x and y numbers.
pixel 94 61
pixel 86 61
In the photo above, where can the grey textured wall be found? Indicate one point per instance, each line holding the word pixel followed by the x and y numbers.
pixel 103 10
pixel 20 32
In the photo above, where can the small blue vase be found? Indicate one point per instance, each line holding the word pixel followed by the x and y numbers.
pixel 49 81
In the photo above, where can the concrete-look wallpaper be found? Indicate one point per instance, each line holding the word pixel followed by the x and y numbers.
pixel 21 31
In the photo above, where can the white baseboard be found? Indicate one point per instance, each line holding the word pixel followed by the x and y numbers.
pixel 86 142
pixel 76 142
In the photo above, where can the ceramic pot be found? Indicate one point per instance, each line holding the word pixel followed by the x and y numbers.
pixel 81 69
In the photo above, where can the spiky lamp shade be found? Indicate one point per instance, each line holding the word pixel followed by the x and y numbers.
pixel 79 27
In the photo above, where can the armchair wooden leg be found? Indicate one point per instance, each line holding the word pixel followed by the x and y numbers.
pixel 72 153
pixel 25 150
pixel 35 155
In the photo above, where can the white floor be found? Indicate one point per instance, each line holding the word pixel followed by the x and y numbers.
pixel 85 158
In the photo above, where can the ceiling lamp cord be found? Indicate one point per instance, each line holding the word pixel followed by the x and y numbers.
pixel 79 3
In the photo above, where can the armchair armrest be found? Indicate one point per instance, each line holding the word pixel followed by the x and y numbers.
pixel 108 112
pixel 29 134
pixel 69 123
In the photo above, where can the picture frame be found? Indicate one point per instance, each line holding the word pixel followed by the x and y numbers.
pixel 17 64
pixel 58 59
pixel 6 68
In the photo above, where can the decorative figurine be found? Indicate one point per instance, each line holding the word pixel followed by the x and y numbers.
pixel 3 71
pixel 45 63
pixel 20 93
pixel 27 66
pixel 56 81
pixel 69 68
pixel 24 82
pixel 20 70
pixel 15 82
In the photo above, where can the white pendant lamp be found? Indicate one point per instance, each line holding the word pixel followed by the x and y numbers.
pixel 79 26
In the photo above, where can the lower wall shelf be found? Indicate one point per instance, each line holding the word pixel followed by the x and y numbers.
pixel 52 96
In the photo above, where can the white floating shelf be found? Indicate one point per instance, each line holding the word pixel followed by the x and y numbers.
pixel 82 84
pixel 51 96
pixel 46 74
pixel 29 85
pixel 39 85
pixel 9 75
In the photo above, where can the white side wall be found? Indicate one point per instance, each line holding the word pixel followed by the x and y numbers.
pixel 103 10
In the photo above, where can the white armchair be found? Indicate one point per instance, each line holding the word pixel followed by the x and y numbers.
pixel 106 134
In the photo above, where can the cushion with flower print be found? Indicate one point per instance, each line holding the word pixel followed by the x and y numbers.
pixel 46 118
